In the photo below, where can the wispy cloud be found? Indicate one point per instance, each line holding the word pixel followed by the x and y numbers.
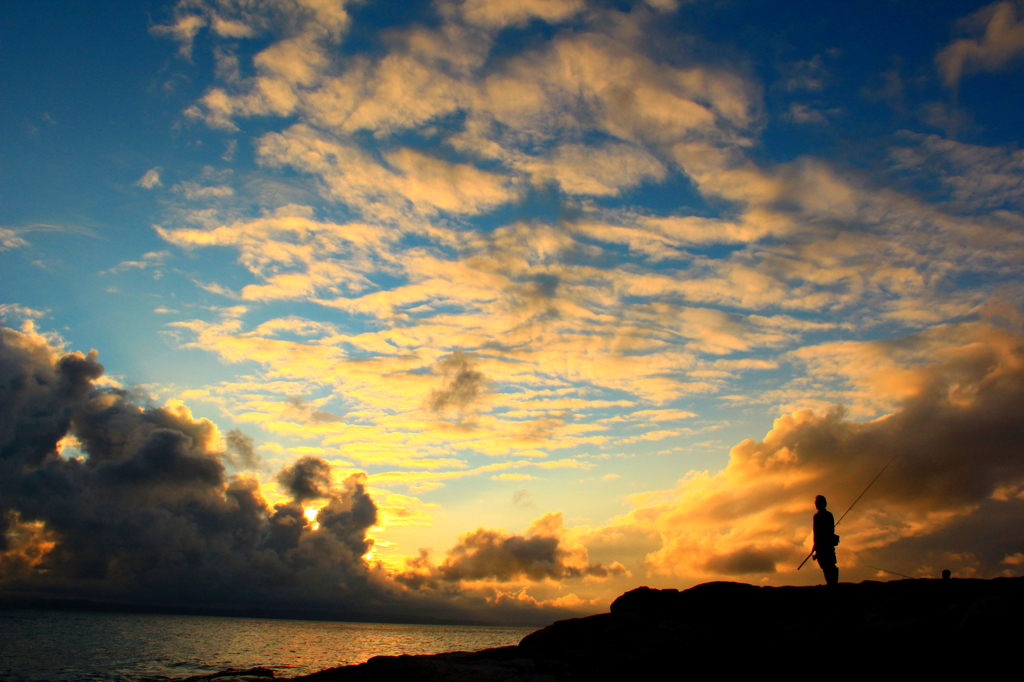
pixel 17 310
pixel 153 259
pixel 150 179
pixel 11 237
pixel 997 39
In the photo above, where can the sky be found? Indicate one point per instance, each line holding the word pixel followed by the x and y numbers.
pixel 495 309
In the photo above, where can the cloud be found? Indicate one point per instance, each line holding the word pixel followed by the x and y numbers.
pixel 513 477
pixel 486 554
pixel 605 170
pixel 17 310
pixel 977 179
pixel 495 14
pixel 554 112
pixel 294 256
pixel 661 415
pixel 150 179
pixel 410 183
pixel 957 436
pixel 418 480
pixel 24 546
pixel 153 259
pixel 551 305
pixel 537 304
pixel 307 479
pixel 664 5
pixel 463 384
pixel 324 19
pixel 9 239
pixel 803 113
pixel 241 450
pixel 308 413
pixel 804 75
pixel 193 191
pixel 148 513
pixel 522 498
pixel 542 553
pixel 745 561
pixel 999 39
pixel 429 74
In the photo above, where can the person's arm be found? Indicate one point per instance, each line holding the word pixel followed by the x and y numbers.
pixel 816 525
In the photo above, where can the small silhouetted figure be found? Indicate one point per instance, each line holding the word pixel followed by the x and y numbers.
pixel 946 575
pixel 825 541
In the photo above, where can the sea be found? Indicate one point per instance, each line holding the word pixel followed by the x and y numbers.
pixel 38 646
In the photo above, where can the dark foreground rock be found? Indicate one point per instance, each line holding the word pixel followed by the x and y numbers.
pixel 235 675
pixel 913 627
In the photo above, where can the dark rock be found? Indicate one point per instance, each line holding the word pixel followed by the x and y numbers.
pixel 490 665
pixel 921 627
pixel 235 675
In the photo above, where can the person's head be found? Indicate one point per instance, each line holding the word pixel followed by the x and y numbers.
pixel 820 502
pixel 946 575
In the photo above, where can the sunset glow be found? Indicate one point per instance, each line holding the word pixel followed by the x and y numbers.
pixel 310 514
pixel 504 307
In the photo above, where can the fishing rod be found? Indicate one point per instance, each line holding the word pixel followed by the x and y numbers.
pixel 885 570
pixel 851 506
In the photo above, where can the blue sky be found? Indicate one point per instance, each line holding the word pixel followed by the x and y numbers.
pixel 551 262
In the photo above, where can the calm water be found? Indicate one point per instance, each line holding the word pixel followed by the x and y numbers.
pixel 56 645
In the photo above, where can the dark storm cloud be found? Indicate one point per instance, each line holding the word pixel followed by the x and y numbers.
pixel 39 393
pixel 300 409
pixel 463 387
pixel 742 562
pixel 959 434
pixel 490 554
pixel 985 543
pixel 241 451
pixel 487 554
pixel 149 513
pixel 309 478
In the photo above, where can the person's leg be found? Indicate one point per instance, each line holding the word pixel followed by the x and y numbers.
pixel 831 574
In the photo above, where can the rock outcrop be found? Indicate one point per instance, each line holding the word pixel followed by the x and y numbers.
pixel 919 627
pixel 235 675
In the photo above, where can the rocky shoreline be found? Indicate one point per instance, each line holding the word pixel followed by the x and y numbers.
pixel 722 628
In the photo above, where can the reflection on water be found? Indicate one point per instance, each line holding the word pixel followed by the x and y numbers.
pixel 54 645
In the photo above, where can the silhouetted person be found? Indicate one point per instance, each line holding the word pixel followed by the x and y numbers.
pixel 946 575
pixel 825 541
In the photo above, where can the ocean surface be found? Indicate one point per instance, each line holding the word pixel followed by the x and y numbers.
pixel 68 646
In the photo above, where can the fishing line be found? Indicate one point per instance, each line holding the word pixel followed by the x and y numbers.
pixel 867 489
pixel 886 570
pixel 854 502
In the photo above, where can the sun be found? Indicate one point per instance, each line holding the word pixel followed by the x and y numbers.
pixel 310 514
